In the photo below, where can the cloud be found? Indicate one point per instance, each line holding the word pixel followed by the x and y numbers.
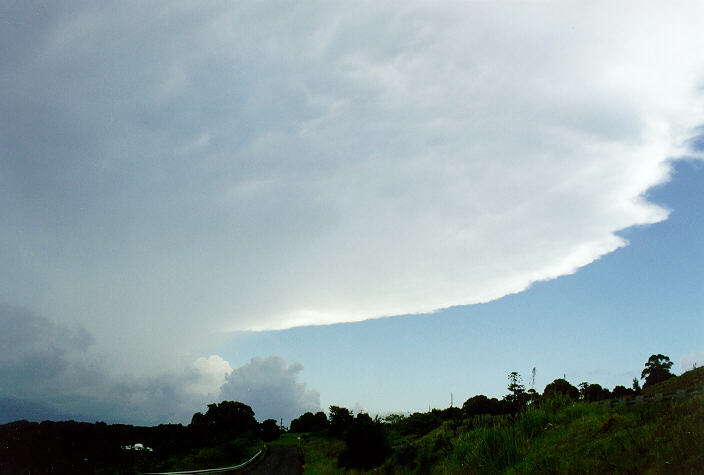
pixel 47 372
pixel 271 388
pixel 38 354
pixel 213 373
pixel 216 167
pixel 693 359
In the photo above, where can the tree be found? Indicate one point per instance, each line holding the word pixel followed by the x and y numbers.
pixel 367 443
pixel 594 392
pixel 560 387
pixel 419 423
pixel 622 391
pixel 533 396
pixel 657 370
pixel 636 386
pixel 310 422
pixel 340 419
pixel 517 396
pixel 228 419
pixel 477 405
pixel 582 389
pixel 516 388
pixel 394 418
pixel 270 430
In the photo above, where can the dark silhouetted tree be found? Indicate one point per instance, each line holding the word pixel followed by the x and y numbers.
pixel 394 418
pixel 622 391
pixel 657 370
pixel 582 389
pixel 310 422
pixel 367 444
pixel 533 396
pixel 476 405
pixel 636 386
pixel 269 430
pixel 515 387
pixel 517 396
pixel 449 413
pixel 562 387
pixel 419 423
pixel 340 419
pixel 594 392
pixel 228 419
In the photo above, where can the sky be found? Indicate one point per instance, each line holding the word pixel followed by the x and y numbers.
pixel 374 205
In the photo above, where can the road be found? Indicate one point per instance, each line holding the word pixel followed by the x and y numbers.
pixel 279 460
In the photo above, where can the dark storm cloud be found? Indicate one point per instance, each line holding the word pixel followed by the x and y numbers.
pixel 46 372
pixel 43 371
pixel 36 351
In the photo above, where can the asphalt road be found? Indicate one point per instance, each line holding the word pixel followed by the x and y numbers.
pixel 279 460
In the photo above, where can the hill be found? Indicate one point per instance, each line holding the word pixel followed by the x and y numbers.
pixel 692 379
pixel 559 436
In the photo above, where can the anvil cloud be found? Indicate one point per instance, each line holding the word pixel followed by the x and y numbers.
pixel 169 171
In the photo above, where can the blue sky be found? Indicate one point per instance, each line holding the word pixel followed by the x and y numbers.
pixel 598 325
pixel 216 200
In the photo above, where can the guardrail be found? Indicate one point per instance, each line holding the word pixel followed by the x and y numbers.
pixel 642 399
pixel 212 470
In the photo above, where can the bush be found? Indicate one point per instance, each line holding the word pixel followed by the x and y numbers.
pixel 367 445
pixel 419 423
pixel 310 422
pixel 560 387
pixel 532 422
pixel 485 450
pixel 269 430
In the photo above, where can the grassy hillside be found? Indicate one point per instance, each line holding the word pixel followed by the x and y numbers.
pixel 557 437
pixel 693 379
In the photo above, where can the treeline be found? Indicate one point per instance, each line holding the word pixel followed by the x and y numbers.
pixel 368 442
pixel 226 434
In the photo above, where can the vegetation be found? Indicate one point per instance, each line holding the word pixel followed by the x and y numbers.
pixel 226 434
pixel 693 379
pixel 563 430
pixel 657 370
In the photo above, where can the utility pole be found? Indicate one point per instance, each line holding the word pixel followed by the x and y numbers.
pixel 450 399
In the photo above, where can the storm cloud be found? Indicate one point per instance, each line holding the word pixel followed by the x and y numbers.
pixel 272 388
pixel 47 372
pixel 171 171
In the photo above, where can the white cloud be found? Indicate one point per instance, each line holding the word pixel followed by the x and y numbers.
pixel 234 167
pixel 694 358
pixel 213 373
pixel 271 388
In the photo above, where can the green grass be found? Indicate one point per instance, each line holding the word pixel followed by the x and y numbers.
pixel 558 436
pixel 289 438
pixel 692 379
pixel 225 454
pixel 580 437
pixel 320 453
pixel 575 437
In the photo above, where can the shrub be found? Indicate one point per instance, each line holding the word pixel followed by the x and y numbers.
pixel 532 422
pixel 367 445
